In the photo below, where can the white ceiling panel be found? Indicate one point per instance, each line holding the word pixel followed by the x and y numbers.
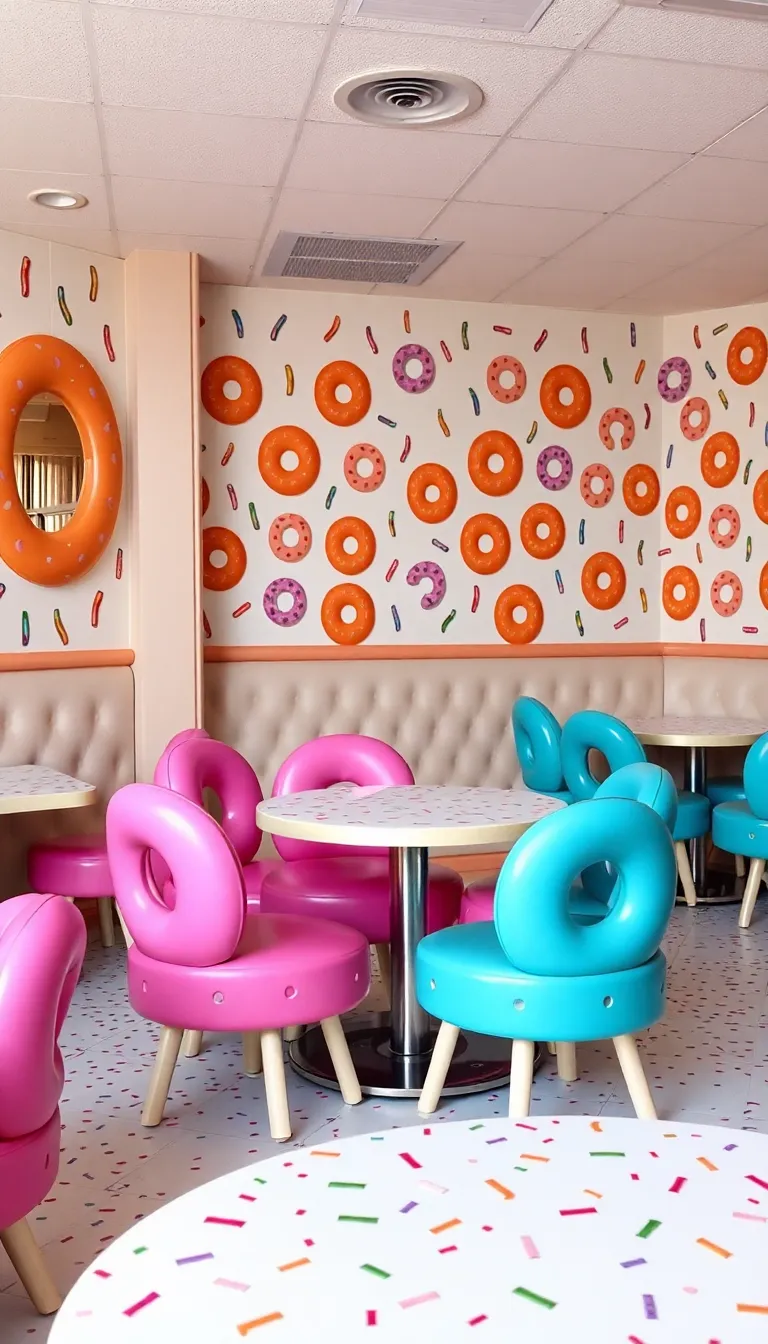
pixel 14 206
pixel 591 284
pixel 510 77
pixel 320 286
pixel 511 230
pixel 667 35
pixel 567 23
pixel 90 240
pixel 383 162
pixel 571 177
pixel 189 62
pixel 47 137
pixel 615 100
pixel 292 11
pixel 748 141
pixel 42 50
pixel 342 212
pixel 196 147
pixel 223 261
pixel 749 258
pixel 148 205
pixel 687 290
pixel 733 190
pixel 668 242
pixel 470 273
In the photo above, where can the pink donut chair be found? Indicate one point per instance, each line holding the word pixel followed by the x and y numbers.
pixel 42 944
pixel 209 961
pixel 349 883
pixel 76 866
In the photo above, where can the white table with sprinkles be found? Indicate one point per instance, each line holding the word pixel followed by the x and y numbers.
pixel 38 788
pixel 553 1229
pixel 392 1058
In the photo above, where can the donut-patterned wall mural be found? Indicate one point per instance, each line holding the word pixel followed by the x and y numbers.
pixel 79 297
pixel 714 471
pixel 424 472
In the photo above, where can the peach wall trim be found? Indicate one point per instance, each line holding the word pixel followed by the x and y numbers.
pixel 261 653
pixel 47 661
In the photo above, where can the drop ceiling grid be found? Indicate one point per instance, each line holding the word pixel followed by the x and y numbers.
pixel 621 154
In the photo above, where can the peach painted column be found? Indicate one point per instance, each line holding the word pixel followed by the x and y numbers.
pixel 164 485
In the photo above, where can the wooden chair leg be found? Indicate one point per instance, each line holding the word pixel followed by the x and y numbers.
pixel 740 865
pixel 27 1259
pixel 634 1077
pixel 684 871
pixel 552 1047
pixel 292 1034
pixel 105 921
pixel 274 1082
pixel 160 1082
pixel 193 1044
pixel 567 1068
pixel 439 1065
pixel 341 1059
pixel 123 926
pixel 756 870
pixel 251 1053
pixel 385 968
pixel 521 1079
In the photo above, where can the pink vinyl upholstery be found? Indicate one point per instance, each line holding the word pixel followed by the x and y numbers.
pixel 42 944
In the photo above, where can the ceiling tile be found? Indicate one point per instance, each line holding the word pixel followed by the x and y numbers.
pixel 223 261
pixel 146 204
pixel 614 100
pixel 567 23
pixel 14 206
pixel 90 240
pixel 512 230
pixel 748 141
pixel 590 285
pixel 196 147
pixel 510 77
pixel 357 158
pixel 637 31
pixel 43 52
pixel 689 289
pixel 48 137
pixel 299 11
pixel 669 242
pixel 747 261
pixel 318 286
pixel 733 190
pixel 470 273
pixel 187 62
pixel 342 212
pixel 569 177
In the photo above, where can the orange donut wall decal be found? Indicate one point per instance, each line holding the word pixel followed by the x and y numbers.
pixel 32 367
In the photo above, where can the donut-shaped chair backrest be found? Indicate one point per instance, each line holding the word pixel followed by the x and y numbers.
pixel 756 776
pixel 203 923
pixel 537 736
pixel 42 944
pixel 531 911
pixel 339 758
pixel 645 783
pixel 591 730
pixel 200 763
pixel 186 735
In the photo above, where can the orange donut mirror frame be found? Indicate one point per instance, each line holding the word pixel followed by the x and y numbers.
pixel 28 367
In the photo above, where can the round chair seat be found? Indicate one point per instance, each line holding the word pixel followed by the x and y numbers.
pixel 28 1169
pixel 254 875
pixel 477 903
pixel 736 829
pixel 725 789
pixel 285 970
pixel 563 794
pixel 74 865
pixel 693 815
pixel 464 977
pixel 355 891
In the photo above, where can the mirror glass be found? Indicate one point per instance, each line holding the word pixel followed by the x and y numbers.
pixel 48 461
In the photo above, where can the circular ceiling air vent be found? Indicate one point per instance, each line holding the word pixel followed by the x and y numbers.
pixel 408 97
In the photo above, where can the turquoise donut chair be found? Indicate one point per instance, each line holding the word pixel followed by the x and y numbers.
pixel 741 827
pixel 592 730
pixel 538 972
pixel 728 789
pixel 537 736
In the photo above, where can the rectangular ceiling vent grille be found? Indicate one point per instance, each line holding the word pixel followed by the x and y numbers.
pixel 369 261
pixel 515 16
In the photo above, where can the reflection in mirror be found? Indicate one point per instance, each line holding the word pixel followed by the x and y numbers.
pixel 48 461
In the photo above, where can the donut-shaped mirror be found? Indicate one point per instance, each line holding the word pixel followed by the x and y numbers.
pixel 40 369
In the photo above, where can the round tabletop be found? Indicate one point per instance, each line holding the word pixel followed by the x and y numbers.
pixel 414 815
pixel 546 1229
pixel 37 788
pixel 696 730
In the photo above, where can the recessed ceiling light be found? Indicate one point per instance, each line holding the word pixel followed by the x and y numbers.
pixel 54 199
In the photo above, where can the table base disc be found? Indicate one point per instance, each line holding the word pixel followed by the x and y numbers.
pixel 479 1064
